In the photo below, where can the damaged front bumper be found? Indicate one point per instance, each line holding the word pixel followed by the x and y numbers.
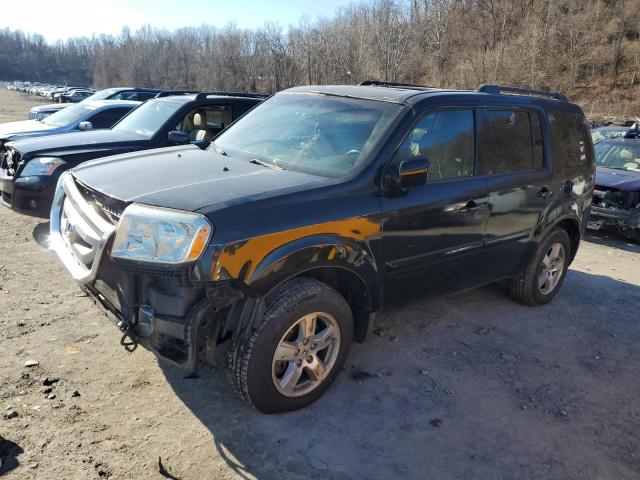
pixel 613 217
pixel 163 309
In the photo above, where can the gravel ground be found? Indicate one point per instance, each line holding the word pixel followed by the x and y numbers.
pixel 474 386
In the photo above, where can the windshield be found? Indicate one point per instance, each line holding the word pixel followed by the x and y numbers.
pixel 148 118
pixel 622 157
pixel 67 116
pixel 318 134
pixel 599 134
pixel 102 94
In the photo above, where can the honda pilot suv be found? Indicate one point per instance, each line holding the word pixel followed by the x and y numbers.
pixel 318 209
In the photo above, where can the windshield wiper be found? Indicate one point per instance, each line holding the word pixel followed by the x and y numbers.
pixel 218 150
pixel 270 165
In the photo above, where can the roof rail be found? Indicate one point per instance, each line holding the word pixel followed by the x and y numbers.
pixel 169 93
pixel 379 83
pixel 499 89
pixel 202 95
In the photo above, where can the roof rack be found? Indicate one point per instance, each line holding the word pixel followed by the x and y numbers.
pixel 499 89
pixel 202 95
pixel 169 93
pixel 378 83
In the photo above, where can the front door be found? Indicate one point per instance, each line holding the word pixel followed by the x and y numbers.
pixel 433 234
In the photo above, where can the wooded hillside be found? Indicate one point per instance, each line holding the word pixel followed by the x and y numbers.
pixel 588 48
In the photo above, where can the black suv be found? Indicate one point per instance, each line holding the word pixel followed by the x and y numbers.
pixel 168 119
pixel 323 206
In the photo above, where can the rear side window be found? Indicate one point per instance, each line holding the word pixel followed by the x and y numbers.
pixel 569 139
pixel 446 138
pixel 510 141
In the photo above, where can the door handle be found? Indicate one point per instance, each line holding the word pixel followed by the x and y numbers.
pixel 544 192
pixel 471 207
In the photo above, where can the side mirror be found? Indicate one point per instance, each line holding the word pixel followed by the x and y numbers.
pixel 411 173
pixel 85 126
pixel 178 138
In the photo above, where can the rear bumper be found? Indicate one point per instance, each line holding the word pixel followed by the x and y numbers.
pixel 614 217
pixel 29 195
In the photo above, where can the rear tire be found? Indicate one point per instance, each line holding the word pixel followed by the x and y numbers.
pixel 544 275
pixel 294 354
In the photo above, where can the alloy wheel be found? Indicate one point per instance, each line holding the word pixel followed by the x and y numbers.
pixel 551 269
pixel 306 354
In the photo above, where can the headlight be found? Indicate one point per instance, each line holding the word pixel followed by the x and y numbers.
pixel 41 166
pixel 160 235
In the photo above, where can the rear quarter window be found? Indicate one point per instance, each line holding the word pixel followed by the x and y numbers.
pixel 569 139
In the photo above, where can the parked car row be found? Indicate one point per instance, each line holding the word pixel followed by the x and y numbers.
pixel 284 225
pixel 57 93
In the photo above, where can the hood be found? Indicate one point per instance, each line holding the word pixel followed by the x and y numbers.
pixel 24 126
pixel 625 180
pixel 187 178
pixel 74 142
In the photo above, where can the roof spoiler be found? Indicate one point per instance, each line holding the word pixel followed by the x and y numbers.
pixel 202 95
pixel 500 89
pixel 378 83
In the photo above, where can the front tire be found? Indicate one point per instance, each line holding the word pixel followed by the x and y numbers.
pixel 544 275
pixel 293 356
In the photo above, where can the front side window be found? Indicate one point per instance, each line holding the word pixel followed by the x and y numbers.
pixel 67 116
pixel 509 142
pixel 148 118
pixel 446 138
pixel 318 134
pixel 107 118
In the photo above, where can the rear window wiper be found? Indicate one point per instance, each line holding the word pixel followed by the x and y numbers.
pixel 270 165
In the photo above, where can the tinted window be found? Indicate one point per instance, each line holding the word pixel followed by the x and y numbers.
pixel 508 143
pixel 107 118
pixel 568 132
pixel 446 138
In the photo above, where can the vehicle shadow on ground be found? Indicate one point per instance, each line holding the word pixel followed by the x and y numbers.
pixel 612 239
pixel 9 452
pixel 473 386
pixel 41 234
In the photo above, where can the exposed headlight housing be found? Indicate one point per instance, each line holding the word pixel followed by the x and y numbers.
pixel 41 166
pixel 160 235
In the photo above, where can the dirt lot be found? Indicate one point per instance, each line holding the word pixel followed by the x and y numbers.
pixel 474 386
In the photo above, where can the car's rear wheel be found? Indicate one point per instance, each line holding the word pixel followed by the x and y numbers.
pixel 297 351
pixel 543 276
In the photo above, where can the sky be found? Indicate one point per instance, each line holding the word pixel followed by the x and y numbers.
pixel 69 18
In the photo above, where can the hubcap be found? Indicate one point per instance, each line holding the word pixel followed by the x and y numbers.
pixel 306 354
pixel 551 269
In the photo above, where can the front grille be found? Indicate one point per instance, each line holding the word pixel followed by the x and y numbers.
pixel 9 161
pixel 79 233
pixel 109 208
pixel 610 197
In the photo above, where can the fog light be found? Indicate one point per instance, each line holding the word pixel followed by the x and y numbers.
pixel 33 204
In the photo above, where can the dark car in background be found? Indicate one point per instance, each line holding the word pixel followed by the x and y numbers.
pixel 318 209
pixel 616 198
pixel 605 133
pixel 36 164
pixel 121 93
pixel 27 186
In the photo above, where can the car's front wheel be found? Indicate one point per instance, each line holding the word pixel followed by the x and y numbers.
pixel 298 350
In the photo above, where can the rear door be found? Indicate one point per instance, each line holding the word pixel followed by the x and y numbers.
pixel 433 234
pixel 511 158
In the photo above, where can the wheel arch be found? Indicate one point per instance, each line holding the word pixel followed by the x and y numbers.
pixel 344 264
